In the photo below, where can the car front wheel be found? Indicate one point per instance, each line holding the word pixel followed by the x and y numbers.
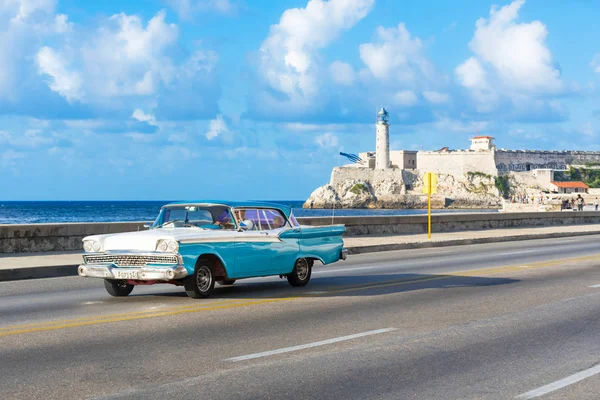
pixel 117 288
pixel 301 273
pixel 200 284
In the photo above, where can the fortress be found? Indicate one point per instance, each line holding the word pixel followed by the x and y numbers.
pixel 467 178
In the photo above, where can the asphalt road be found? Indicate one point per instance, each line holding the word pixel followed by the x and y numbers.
pixel 493 321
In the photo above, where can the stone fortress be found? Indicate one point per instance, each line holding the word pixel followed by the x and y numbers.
pixel 478 177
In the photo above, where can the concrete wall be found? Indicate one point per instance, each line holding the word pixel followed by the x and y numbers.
pixel 457 163
pixel 67 237
pixel 523 160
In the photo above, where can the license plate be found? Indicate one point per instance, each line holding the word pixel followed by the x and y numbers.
pixel 125 274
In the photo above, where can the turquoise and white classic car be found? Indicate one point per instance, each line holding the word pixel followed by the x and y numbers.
pixel 195 244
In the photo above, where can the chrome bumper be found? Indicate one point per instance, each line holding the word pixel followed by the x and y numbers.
pixel 344 254
pixel 109 271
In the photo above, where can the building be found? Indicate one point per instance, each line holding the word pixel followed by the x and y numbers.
pixel 403 159
pixel 569 187
pixel 482 156
pixel 482 143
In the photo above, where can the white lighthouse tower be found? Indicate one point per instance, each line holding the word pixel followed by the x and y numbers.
pixel 382 149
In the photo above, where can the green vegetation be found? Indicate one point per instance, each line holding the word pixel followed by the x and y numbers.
pixel 473 174
pixel 358 188
pixel 590 177
pixel 502 183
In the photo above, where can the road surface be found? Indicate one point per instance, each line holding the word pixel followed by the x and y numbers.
pixel 493 321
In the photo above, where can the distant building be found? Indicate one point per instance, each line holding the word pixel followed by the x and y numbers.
pixel 482 143
pixel 569 187
pixel 403 159
pixel 482 156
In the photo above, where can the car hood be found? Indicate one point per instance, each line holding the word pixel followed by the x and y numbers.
pixel 146 240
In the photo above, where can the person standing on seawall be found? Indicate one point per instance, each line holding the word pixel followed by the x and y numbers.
pixel 580 203
pixel 596 204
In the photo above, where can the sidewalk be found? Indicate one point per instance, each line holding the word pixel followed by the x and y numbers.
pixel 49 265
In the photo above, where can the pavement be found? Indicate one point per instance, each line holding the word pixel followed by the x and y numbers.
pixel 516 319
pixel 57 264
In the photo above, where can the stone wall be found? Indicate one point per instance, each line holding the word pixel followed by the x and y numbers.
pixel 526 160
pixel 67 237
pixel 457 163
pixel 56 237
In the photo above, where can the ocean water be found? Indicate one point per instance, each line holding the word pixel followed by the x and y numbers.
pixel 37 212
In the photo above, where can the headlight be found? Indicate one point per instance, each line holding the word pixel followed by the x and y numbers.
pixel 173 246
pixel 167 245
pixel 91 246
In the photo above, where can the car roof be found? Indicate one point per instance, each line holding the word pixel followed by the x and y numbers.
pixel 243 203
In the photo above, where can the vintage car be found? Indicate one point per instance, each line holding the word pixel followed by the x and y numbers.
pixel 195 244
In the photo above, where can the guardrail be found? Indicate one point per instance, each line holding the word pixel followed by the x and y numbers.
pixel 67 236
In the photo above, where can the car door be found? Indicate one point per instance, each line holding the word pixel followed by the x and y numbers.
pixel 259 250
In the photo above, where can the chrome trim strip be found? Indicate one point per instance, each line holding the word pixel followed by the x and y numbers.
pixel 260 238
pixel 107 271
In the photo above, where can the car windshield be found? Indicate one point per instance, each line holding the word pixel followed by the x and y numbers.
pixel 193 216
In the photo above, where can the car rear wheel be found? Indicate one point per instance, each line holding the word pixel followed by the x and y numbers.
pixel 200 284
pixel 226 282
pixel 117 288
pixel 301 273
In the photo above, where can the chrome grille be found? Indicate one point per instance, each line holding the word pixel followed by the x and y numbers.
pixel 123 260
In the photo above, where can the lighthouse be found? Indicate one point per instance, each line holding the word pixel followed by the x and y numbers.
pixel 382 149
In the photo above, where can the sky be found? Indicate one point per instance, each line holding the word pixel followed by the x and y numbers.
pixel 254 99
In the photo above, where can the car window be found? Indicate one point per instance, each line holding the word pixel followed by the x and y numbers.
pixel 293 220
pixel 260 219
pixel 190 216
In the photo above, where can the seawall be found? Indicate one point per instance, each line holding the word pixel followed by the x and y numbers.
pixel 67 236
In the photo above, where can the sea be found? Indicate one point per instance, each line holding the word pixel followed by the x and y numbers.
pixel 40 212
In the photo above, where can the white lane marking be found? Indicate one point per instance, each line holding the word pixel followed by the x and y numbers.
pixel 343 270
pixel 569 380
pixel 524 266
pixel 515 252
pixel 317 292
pixel 89 303
pixel 595 286
pixel 308 345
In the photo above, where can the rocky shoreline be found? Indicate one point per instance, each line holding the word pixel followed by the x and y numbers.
pixel 356 187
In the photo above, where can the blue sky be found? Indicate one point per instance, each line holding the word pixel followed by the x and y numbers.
pixel 254 99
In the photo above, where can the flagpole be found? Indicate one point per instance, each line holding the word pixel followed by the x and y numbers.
pixel 333 205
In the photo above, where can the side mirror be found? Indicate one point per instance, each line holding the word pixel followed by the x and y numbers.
pixel 147 226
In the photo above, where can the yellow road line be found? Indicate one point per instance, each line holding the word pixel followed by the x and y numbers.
pixel 235 303
pixel 109 316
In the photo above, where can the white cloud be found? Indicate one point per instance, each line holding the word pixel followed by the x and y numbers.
pixel 396 57
pixel 9 157
pixel 126 56
pixel 406 98
pixel 62 24
pixel 588 130
pixel 216 127
pixel 25 8
pixel 186 9
pixel 289 56
pixel 444 124
pixel 67 83
pixel 436 97
pixel 327 140
pixel 595 64
pixel 342 73
pixel 143 117
pixel 510 59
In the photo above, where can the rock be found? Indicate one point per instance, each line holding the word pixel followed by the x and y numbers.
pixel 356 187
